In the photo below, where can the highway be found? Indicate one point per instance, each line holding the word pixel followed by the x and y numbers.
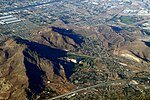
pixel 94 86
pixel 29 6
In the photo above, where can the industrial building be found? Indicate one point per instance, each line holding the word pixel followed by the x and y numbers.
pixel 8 19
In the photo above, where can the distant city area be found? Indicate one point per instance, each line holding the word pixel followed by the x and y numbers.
pixel 78 12
pixel 124 13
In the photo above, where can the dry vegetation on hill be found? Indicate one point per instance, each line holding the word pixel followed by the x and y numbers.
pixel 56 60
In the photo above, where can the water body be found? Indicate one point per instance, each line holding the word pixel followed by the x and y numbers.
pixel 29 6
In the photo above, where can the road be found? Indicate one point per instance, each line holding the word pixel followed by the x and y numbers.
pixel 143 15
pixel 94 86
pixel 29 6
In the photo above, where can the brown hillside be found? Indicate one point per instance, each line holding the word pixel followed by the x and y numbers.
pixel 28 68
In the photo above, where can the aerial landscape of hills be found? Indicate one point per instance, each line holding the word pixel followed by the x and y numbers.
pixel 74 50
